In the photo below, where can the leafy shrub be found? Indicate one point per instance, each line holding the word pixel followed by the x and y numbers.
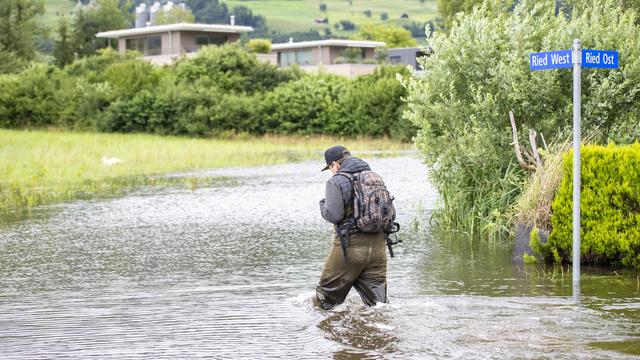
pixel 28 98
pixel 220 91
pixel 131 115
pixel 91 67
pixel 373 105
pixel 352 54
pixel 129 77
pixel 231 68
pixel 81 102
pixel 610 208
pixel 393 36
pixel 260 46
pixel 238 114
pixel 478 73
pixel 10 62
pixel 309 105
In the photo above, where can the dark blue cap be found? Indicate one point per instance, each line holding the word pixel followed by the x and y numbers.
pixel 334 153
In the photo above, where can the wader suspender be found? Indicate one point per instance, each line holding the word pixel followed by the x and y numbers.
pixel 344 227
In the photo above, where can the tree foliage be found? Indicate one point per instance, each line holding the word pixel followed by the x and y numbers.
pixel 174 16
pixel 10 62
pixel 393 36
pixel 448 9
pixel 209 11
pixel 101 15
pixel 480 71
pixel 260 46
pixel 63 48
pixel 19 27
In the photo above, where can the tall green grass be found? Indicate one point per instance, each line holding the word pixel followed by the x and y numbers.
pixel 40 167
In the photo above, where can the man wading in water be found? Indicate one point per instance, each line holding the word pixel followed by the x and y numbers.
pixel 359 259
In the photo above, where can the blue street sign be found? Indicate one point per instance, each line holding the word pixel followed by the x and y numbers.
pixel 565 59
pixel 600 59
pixel 550 60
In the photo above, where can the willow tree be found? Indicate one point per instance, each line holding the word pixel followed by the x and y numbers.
pixel 480 71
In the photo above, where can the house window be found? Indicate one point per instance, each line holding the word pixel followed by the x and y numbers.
pixel 303 57
pixel 300 57
pixel 287 58
pixel 146 45
pixel 210 39
pixel 395 59
pixel 154 45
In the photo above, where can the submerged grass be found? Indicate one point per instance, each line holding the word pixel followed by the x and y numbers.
pixel 41 167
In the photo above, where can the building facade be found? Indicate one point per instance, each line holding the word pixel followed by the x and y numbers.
pixel 407 56
pixel 322 52
pixel 163 43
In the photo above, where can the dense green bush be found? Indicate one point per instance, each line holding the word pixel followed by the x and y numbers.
pixel 309 105
pixel 130 76
pixel 610 208
pixel 260 46
pixel 10 62
pixel 28 98
pixel 373 105
pixel 480 71
pixel 222 90
pixel 232 69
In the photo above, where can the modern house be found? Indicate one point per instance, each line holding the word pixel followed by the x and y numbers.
pixel 163 43
pixel 318 52
pixel 408 56
pixel 322 54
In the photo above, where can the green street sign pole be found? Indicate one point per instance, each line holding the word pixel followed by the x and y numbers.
pixel 577 92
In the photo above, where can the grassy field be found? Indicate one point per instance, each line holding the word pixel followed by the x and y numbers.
pixel 54 9
pixel 299 15
pixel 40 167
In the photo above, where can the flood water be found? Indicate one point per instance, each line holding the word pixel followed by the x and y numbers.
pixel 228 271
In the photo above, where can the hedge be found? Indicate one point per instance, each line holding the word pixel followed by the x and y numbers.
pixel 222 90
pixel 610 208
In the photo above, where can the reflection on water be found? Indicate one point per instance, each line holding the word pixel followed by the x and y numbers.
pixel 228 271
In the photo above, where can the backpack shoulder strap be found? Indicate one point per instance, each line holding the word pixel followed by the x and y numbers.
pixel 347 175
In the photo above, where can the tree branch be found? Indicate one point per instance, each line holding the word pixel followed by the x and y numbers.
pixel 534 147
pixel 516 145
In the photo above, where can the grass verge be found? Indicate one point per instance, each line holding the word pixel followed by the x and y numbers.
pixel 41 167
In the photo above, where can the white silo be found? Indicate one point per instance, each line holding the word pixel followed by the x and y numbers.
pixel 153 12
pixel 142 15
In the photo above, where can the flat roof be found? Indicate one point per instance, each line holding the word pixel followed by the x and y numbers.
pixel 330 42
pixel 175 27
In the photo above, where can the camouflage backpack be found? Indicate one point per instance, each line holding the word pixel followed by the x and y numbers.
pixel 373 208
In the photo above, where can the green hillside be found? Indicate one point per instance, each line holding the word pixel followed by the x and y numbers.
pixel 299 15
pixel 54 9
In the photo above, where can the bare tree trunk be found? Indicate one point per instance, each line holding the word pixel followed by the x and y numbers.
pixel 517 147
